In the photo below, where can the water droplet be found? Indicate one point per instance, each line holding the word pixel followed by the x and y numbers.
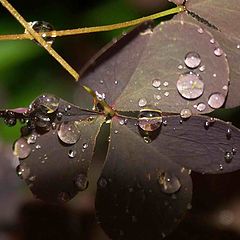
pixel 169 183
pixel 238 46
pixel 21 148
pixel 142 102
pixel 43 27
pixel 229 133
pixel 218 52
pixel 23 172
pixel 201 107
pixel 64 197
pixel 165 84
pixel 32 178
pixel 200 30
pixel 216 100
pixel 42 120
pixel 209 122
pixel 149 120
pixel 185 113
pixel 85 146
pixel 164 122
pixel 156 83
pixel 190 86
pixel 116 82
pixel 81 182
pixel 10 121
pixel 147 140
pixel 157 97
pixel 116 131
pixel 212 40
pixel 100 96
pixel 32 138
pixel 72 153
pixel 192 60
pixel 202 68
pixel 225 88
pixel 102 182
pixel 46 104
pixel 59 116
pixel 166 94
pixel 69 132
pixel 228 157
pixel 220 167
pixel 234 151
pixel 180 66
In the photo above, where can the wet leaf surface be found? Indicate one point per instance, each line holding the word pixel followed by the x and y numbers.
pixel 54 161
pixel 225 16
pixel 141 193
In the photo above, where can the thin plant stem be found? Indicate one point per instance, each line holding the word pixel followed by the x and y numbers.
pixel 84 30
pixel 39 38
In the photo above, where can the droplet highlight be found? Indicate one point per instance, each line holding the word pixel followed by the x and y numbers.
pixel 169 183
pixel 192 60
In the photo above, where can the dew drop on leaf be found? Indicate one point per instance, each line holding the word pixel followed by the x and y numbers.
pixel 46 103
pixel 228 157
pixel 202 68
pixel 21 148
pixel 192 60
pixel 142 102
pixel 185 113
pixel 23 172
pixel 156 83
pixel 201 107
pixel 190 86
pixel 218 52
pixel 216 100
pixel 69 132
pixel 169 183
pixel 32 138
pixel 149 120
pixel 102 182
pixel 81 182
pixel 10 121
pixel 72 153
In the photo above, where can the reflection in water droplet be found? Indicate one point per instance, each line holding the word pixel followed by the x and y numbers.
pixel 46 103
pixel 218 52
pixel 228 157
pixel 69 132
pixel 185 113
pixel 156 83
pixel 142 102
pixel 72 153
pixel 201 107
pixel 102 182
pixel 216 100
pixel 190 86
pixel 43 27
pixel 21 148
pixel 169 183
pixel 23 172
pixel 81 182
pixel 192 60
pixel 32 138
pixel 149 120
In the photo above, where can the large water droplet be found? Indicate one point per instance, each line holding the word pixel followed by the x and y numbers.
pixel 21 148
pixel 216 100
pixel 190 86
pixel 185 113
pixel 149 120
pixel 81 182
pixel 142 102
pixel 169 183
pixel 46 103
pixel 10 121
pixel 192 60
pixel 228 157
pixel 43 27
pixel 69 132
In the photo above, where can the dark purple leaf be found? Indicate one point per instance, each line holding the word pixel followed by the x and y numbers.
pixel 224 14
pixel 141 193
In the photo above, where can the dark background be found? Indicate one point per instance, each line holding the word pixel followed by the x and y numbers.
pixel 26 71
